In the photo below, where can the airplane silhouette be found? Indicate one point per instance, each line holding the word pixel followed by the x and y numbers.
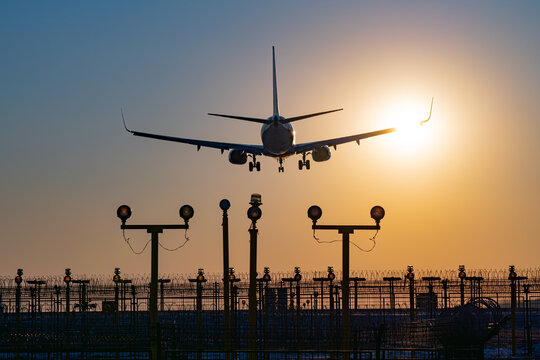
pixel 277 137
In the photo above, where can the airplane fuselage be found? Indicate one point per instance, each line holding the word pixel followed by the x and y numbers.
pixel 277 138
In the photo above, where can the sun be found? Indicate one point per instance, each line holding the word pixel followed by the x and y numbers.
pixel 406 116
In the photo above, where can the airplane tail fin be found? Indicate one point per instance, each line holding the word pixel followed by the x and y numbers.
pixel 276 110
pixel 287 120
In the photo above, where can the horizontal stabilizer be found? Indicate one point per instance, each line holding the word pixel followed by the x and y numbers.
pixel 308 116
pixel 257 120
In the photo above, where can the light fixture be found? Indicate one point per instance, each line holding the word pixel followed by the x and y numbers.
pixel 314 213
pixel 224 204
pixel 186 213
pixel 254 213
pixel 124 213
pixel 377 213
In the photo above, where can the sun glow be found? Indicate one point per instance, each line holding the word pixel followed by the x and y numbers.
pixel 406 117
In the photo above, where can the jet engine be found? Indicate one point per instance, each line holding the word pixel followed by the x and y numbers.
pixel 237 157
pixel 321 154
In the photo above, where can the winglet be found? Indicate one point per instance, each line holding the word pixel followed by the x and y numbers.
pixel 276 110
pixel 124 121
pixel 429 117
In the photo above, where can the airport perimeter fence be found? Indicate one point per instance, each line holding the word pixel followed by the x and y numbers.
pixel 296 319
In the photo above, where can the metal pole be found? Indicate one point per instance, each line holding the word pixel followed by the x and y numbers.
pixel 252 325
pixel 445 288
pixel 462 291
pixel 345 296
pixel 513 313
pixel 226 297
pixel 411 299
pixel 18 316
pixel 153 294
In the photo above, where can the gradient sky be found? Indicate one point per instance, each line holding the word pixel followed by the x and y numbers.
pixel 463 190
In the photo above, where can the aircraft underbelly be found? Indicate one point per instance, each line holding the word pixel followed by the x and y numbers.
pixel 277 140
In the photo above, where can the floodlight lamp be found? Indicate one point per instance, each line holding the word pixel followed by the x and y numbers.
pixel 68 272
pixel 255 200
pixel 314 213
pixel 19 272
pixel 67 279
pixel 224 204
pixel 116 278
pixel 266 277
pixel 297 277
pixel 254 213
pixel 124 213
pixel 461 268
pixel 18 279
pixel 377 213
pixel 186 213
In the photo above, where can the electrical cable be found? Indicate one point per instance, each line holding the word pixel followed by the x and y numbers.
pixel 131 247
pixel 352 242
pixel 179 246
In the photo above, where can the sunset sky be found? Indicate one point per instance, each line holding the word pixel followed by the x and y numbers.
pixel 464 189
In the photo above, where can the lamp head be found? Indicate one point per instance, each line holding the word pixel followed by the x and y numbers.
pixel 124 213
pixel 314 213
pixel 186 213
pixel 377 213
pixel 19 272
pixel 254 213
pixel 255 200
pixel 200 275
pixel 224 204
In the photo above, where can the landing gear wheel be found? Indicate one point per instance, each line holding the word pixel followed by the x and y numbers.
pixel 300 164
pixel 307 164
pixel 250 166
pixel 258 166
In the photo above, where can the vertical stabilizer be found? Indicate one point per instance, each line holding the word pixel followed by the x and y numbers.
pixel 276 110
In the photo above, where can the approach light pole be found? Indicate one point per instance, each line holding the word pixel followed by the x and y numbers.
pixel 254 213
pixel 315 213
pixel 224 205
pixel 124 213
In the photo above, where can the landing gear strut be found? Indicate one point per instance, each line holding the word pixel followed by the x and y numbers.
pixel 303 162
pixel 281 168
pixel 254 164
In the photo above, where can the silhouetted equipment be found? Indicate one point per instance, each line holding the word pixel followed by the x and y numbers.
pixel 464 330
pixel 254 213
pixel 375 331
pixel 315 213
pixel 124 213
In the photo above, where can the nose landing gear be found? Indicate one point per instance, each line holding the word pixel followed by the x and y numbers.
pixel 254 164
pixel 303 162
pixel 281 168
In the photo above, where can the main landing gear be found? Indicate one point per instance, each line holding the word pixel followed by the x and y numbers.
pixel 254 164
pixel 281 168
pixel 303 162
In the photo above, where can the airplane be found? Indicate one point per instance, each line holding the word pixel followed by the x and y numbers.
pixel 277 135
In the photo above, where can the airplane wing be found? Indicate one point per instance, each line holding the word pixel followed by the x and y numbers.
pixel 301 148
pixel 252 149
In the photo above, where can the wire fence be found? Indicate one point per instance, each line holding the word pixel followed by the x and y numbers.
pixel 390 314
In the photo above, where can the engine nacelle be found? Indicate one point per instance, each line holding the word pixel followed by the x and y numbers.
pixel 237 157
pixel 321 154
